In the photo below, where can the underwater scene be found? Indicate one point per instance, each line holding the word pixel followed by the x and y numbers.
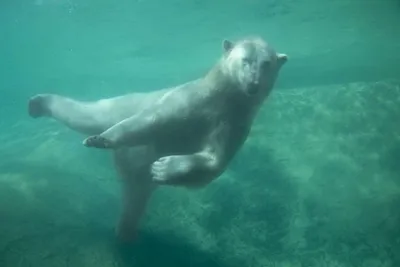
pixel 314 84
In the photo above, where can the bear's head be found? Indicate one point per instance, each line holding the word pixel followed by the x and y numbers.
pixel 252 65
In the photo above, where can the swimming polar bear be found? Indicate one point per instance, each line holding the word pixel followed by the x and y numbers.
pixel 179 136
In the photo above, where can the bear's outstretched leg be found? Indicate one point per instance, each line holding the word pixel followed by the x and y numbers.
pixel 89 118
pixel 135 199
pixel 83 117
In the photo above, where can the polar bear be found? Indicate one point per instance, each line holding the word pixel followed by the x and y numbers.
pixel 180 136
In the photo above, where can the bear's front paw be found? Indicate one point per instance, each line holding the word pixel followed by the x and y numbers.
pixel 97 141
pixel 170 170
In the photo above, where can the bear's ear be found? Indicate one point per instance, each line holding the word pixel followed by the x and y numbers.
pixel 227 45
pixel 281 59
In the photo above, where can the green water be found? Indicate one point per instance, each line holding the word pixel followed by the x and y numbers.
pixel 317 184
